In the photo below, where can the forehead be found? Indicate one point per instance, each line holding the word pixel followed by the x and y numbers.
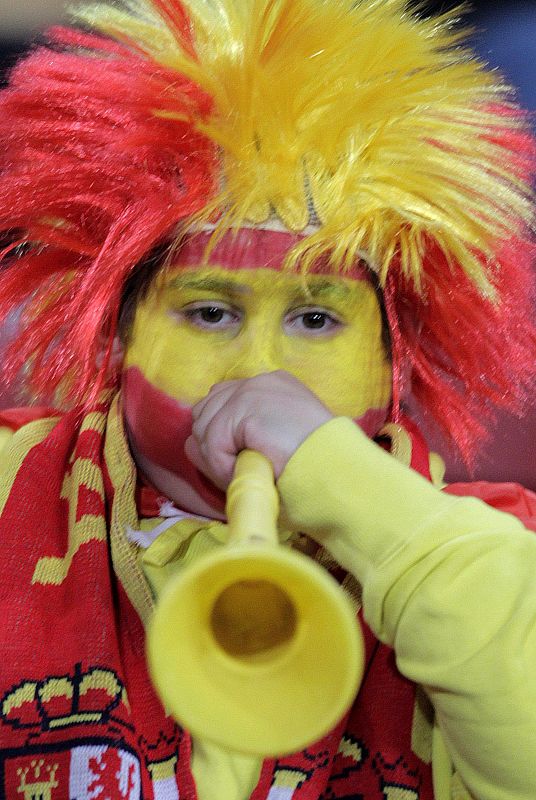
pixel 261 263
pixel 258 248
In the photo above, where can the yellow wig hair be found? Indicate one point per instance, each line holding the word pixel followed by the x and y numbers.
pixel 363 117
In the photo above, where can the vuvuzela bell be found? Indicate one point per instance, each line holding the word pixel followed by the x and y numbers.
pixel 255 647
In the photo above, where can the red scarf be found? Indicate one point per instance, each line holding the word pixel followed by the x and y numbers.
pixel 78 716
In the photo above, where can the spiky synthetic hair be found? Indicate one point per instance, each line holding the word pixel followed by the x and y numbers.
pixel 373 123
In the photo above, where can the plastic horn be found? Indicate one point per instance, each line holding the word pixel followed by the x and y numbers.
pixel 255 647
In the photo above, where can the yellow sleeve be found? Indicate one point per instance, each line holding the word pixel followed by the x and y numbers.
pixel 449 582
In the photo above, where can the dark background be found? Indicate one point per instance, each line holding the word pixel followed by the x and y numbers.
pixel 504 34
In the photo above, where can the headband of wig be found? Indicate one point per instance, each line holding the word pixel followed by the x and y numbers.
pixel 377 125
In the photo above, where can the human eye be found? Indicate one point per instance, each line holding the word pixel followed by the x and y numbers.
pixel 208 315
pixel 312 322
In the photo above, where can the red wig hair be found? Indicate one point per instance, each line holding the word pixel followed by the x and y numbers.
pixel 92 180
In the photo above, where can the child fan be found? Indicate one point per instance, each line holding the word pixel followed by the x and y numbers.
pixel 262 225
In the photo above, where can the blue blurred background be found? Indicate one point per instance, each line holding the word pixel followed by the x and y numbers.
pixel 505 36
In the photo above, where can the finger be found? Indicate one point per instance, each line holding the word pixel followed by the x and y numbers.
pixel 217 466
pixel 215 391
pixel 208 457
pixel 218 451
pixel 194 453
pixel 211 406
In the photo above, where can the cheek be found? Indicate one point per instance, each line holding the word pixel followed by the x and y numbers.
pixel 179 363
pixel 158 426
pixel 145 408
pixel 349 371
pixel 362 377
pixel 350 375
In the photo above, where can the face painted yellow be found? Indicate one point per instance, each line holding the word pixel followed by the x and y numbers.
pixel 200 327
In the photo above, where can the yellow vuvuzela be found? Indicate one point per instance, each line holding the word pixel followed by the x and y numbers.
pixel 255 647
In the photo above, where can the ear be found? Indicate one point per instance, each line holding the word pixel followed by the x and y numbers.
pixel 117 353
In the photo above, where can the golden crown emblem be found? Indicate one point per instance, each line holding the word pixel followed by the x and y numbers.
pixel 59 701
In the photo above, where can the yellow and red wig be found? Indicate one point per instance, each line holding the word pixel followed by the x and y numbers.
pixel 362 122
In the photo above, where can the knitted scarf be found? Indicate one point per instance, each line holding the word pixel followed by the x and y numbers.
pixel 78 716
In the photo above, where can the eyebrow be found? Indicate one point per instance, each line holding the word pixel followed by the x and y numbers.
pixel 320 288
pixel 308 291
pixel 209 285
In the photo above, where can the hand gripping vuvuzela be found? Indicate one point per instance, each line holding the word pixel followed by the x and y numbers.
pixel 255 647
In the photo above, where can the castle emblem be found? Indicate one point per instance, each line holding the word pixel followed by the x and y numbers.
pixel 80 772
pixel 40 783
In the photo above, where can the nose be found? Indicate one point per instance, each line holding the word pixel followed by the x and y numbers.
pixel 258 353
